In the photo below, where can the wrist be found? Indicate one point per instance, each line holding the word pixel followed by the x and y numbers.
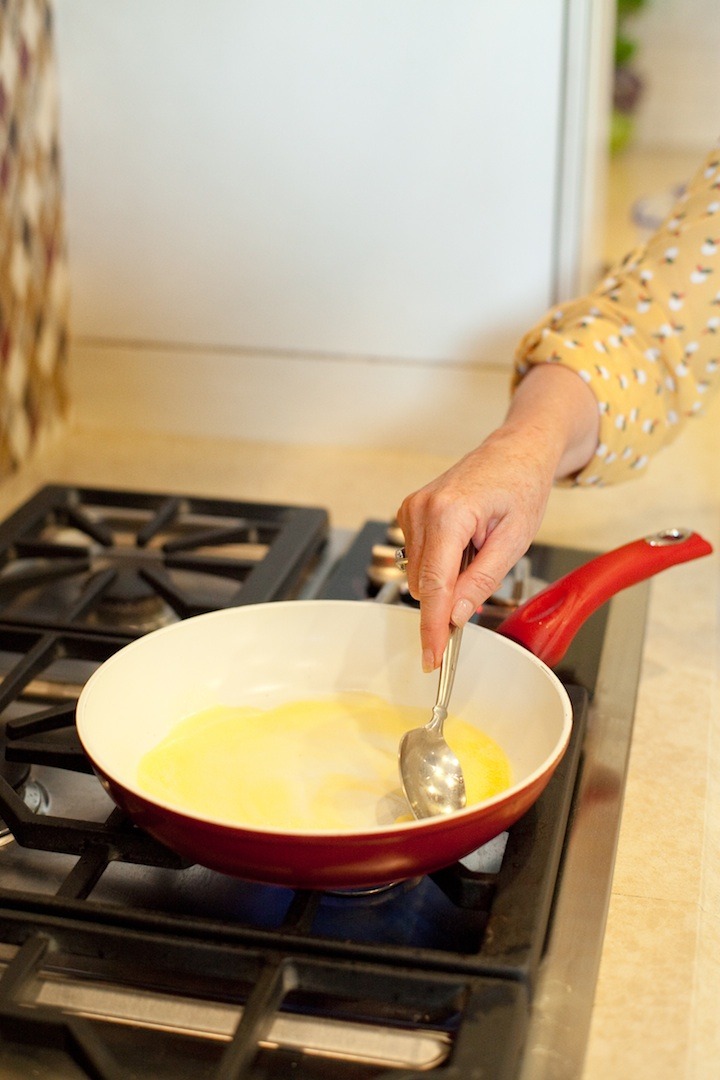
pixel 554 406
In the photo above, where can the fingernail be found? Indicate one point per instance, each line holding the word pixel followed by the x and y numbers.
pixel 428 661
pixel 461 612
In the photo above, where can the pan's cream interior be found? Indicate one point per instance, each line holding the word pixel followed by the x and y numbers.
pixel 261 656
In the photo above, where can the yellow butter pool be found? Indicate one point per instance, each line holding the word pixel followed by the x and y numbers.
pixel 321 764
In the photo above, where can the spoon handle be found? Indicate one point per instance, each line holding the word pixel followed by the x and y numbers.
pixel 448 664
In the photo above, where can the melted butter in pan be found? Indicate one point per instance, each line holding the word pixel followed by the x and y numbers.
pixel 326 763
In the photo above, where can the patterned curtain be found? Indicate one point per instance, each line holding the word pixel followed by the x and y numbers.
pixel 33 265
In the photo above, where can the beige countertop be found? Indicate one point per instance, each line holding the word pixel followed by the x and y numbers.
pixel 656 1012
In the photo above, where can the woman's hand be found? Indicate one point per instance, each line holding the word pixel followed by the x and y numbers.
pixel 495 496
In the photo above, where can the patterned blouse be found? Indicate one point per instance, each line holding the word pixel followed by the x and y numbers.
pixel 647 340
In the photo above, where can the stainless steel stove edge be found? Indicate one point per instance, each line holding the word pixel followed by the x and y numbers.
pixel 563 1001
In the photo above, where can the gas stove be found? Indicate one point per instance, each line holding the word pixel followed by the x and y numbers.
pixel 119 960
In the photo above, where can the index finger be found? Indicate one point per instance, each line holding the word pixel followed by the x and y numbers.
pixel 438 567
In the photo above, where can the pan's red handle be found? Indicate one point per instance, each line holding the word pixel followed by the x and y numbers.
pixel 548 621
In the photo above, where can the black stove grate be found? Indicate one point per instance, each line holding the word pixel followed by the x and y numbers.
pixel 253 986
pixel 129 561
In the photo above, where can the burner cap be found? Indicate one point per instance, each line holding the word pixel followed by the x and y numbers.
pixel 130 602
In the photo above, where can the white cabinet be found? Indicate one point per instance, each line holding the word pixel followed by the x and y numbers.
pixel 399 180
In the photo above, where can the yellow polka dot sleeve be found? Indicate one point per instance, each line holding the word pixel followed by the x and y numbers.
pixel 647 340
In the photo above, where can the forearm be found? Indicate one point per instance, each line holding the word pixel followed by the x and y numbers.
pixel 646 339
pixel 554 409
pixel 601 383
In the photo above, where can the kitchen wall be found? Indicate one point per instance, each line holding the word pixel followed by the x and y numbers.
pixel 679 47
pixel 33 272
pixel 676 121
pixel 322 222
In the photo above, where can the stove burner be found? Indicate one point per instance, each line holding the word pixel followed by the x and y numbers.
pixel 130 604
pixel 395 536
pixel 130 562
pixel 352 893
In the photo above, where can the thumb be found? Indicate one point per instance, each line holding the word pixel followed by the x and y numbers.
pixel 481 579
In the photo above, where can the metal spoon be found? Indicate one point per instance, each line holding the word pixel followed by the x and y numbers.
pixel 430 773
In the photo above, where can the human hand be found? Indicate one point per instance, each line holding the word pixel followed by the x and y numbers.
pixel 496 497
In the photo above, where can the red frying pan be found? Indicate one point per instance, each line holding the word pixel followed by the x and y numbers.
pixel 266 654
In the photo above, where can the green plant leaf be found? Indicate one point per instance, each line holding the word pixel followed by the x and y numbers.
pixel 625 49
pixel 627 8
